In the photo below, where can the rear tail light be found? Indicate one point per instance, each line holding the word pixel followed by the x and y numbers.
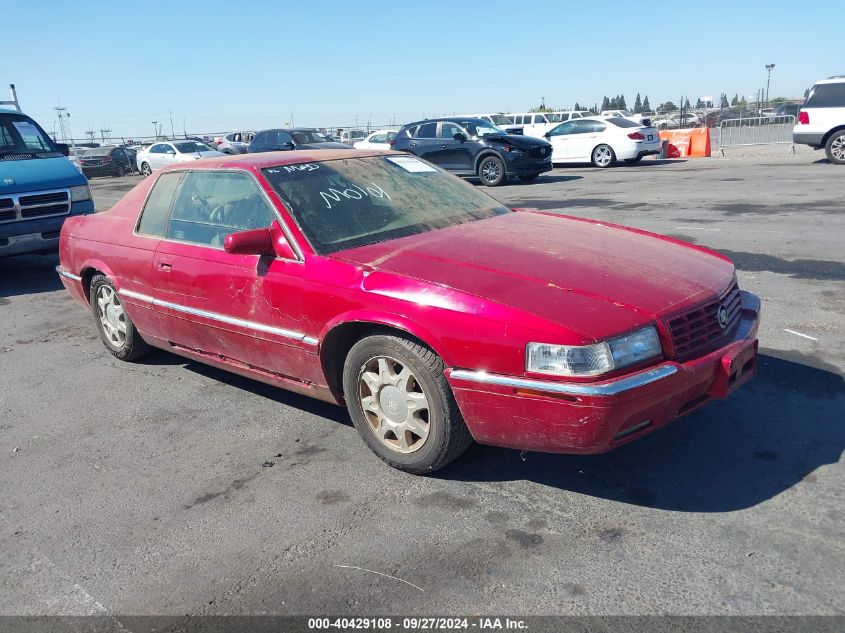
pixel 391 143
pixel 637 136
pixel 804 118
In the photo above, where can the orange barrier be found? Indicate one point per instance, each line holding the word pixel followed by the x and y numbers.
pixel 691 143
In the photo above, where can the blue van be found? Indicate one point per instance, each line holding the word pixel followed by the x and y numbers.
pixel 39 187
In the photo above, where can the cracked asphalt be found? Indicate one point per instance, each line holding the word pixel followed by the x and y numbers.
pixel 131 489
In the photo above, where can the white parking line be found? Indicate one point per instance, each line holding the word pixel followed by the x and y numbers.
pixel 799 334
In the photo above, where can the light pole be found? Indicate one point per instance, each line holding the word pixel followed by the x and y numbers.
pixel 769 68
pixel 155 130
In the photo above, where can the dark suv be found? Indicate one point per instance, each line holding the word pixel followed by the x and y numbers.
pixel 474 147
pixel 290 139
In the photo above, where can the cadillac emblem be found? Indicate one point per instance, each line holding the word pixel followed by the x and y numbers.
pixel 722 316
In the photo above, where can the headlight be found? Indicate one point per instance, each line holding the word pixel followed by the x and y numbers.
pixel 591 360
pixel 80 193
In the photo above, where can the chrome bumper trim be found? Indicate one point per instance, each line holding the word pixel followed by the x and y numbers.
pixel 66 274
pixel 610 388
pixel 222 318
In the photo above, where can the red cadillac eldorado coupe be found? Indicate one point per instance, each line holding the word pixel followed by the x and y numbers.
pixel 376 280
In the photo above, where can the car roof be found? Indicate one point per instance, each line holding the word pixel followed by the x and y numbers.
pixel 836 79
pixel 273 159
pixel 453 119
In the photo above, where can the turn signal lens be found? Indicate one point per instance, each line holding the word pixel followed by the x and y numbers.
pixel 637 136
pixel 804 117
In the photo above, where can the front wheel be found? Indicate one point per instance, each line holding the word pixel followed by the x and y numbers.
pixel 401 404
pixel 146 170
pixel 603 156
pixel 528 177
pixel 491 170
pixel 835 148
pixel 113 323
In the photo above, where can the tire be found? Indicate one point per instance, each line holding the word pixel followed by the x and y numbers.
pixel 146 170
pixel 121 172
pixel 633 161
pixel 491 171
pixel 528 177
pixel 835 148
pixel 116 329
pixel 387 378
pixel 603 156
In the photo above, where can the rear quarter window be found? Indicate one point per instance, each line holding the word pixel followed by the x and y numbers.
pixel 827 96
pixel 157 209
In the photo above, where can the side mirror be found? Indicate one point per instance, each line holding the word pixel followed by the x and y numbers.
pixel 253 242
pixel 288 145
pixel 63 148
pixel 548 135
pixel 171 152
pixel 460 136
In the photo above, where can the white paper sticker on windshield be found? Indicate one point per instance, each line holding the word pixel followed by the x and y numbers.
pixel 25 128
pixel 409 163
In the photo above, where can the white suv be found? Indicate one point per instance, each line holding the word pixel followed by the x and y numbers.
pixel 821 121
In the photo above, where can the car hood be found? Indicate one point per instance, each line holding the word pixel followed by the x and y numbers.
pixel 329 145
pixel 36 174
pixel 593 278
pixel 517 140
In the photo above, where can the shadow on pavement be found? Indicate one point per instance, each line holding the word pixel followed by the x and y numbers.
pixel 28 274
pixel 768 437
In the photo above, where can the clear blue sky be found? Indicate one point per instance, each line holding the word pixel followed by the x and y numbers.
pixel 222 65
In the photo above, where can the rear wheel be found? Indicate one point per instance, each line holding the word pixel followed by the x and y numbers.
pixel 528 177
pixel 603 156
pixel 116 328
pixel 145 169
pixel 401 404
pixel 491 170
pixel 835 148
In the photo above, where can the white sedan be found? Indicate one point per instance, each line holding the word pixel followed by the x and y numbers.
pixel 376 140
pixel 160 155
pixel 602 142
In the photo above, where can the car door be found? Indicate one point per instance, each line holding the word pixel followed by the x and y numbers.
pixel 425 142
pixel 242 309
pixel 560 137
pixel 453 154
pixel 586 135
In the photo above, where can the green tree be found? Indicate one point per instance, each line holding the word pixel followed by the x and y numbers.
pixel 667 106
pixel 699 104
pixel 686 104
pixel 724 102
pixel 638 104
pixel 742 102
pixel 735 100
pixel 577 106
pixel 646 105
pixel 605 104
pixel 621 103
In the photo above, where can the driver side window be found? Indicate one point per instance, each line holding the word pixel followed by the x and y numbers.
pixel 448 130
pixel 562 129
pixel 211 205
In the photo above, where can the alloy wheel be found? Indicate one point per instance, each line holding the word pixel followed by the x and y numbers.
pixel 490 171
pixel 602 155
pixel 111 315
pixel 394 404
pixel 837 148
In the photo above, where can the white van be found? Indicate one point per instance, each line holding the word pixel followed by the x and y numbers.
pixel 534 124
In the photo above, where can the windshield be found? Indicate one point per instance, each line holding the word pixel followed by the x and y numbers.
pixel 308 136
pixel 342 204
pixel 480 128
pixel 553 118
pixel 189 147
pixel 19 133
pixel 500 119
pixel 620 122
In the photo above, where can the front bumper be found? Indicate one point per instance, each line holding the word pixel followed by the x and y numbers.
pixel 526 164
pixel 558 417
pixel 37 235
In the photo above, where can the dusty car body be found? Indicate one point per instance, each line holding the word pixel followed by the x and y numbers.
pixel 490 305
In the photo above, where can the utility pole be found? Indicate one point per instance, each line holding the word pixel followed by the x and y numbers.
pixel 104 133
pixel 769 68
pixel 172 133
pixel 155 130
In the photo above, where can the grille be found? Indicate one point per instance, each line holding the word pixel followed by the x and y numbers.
pixel 698 332
pixel 43 198
pixel 36 205
pixel 541 152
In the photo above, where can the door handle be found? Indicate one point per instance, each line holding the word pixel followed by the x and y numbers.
pixel 165 264
pixel 413 144
pixel 443 146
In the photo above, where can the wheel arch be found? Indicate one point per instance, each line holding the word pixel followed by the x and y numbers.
pixel 830 133
pixel 342 334
pixel 87 272
pixel 484 154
